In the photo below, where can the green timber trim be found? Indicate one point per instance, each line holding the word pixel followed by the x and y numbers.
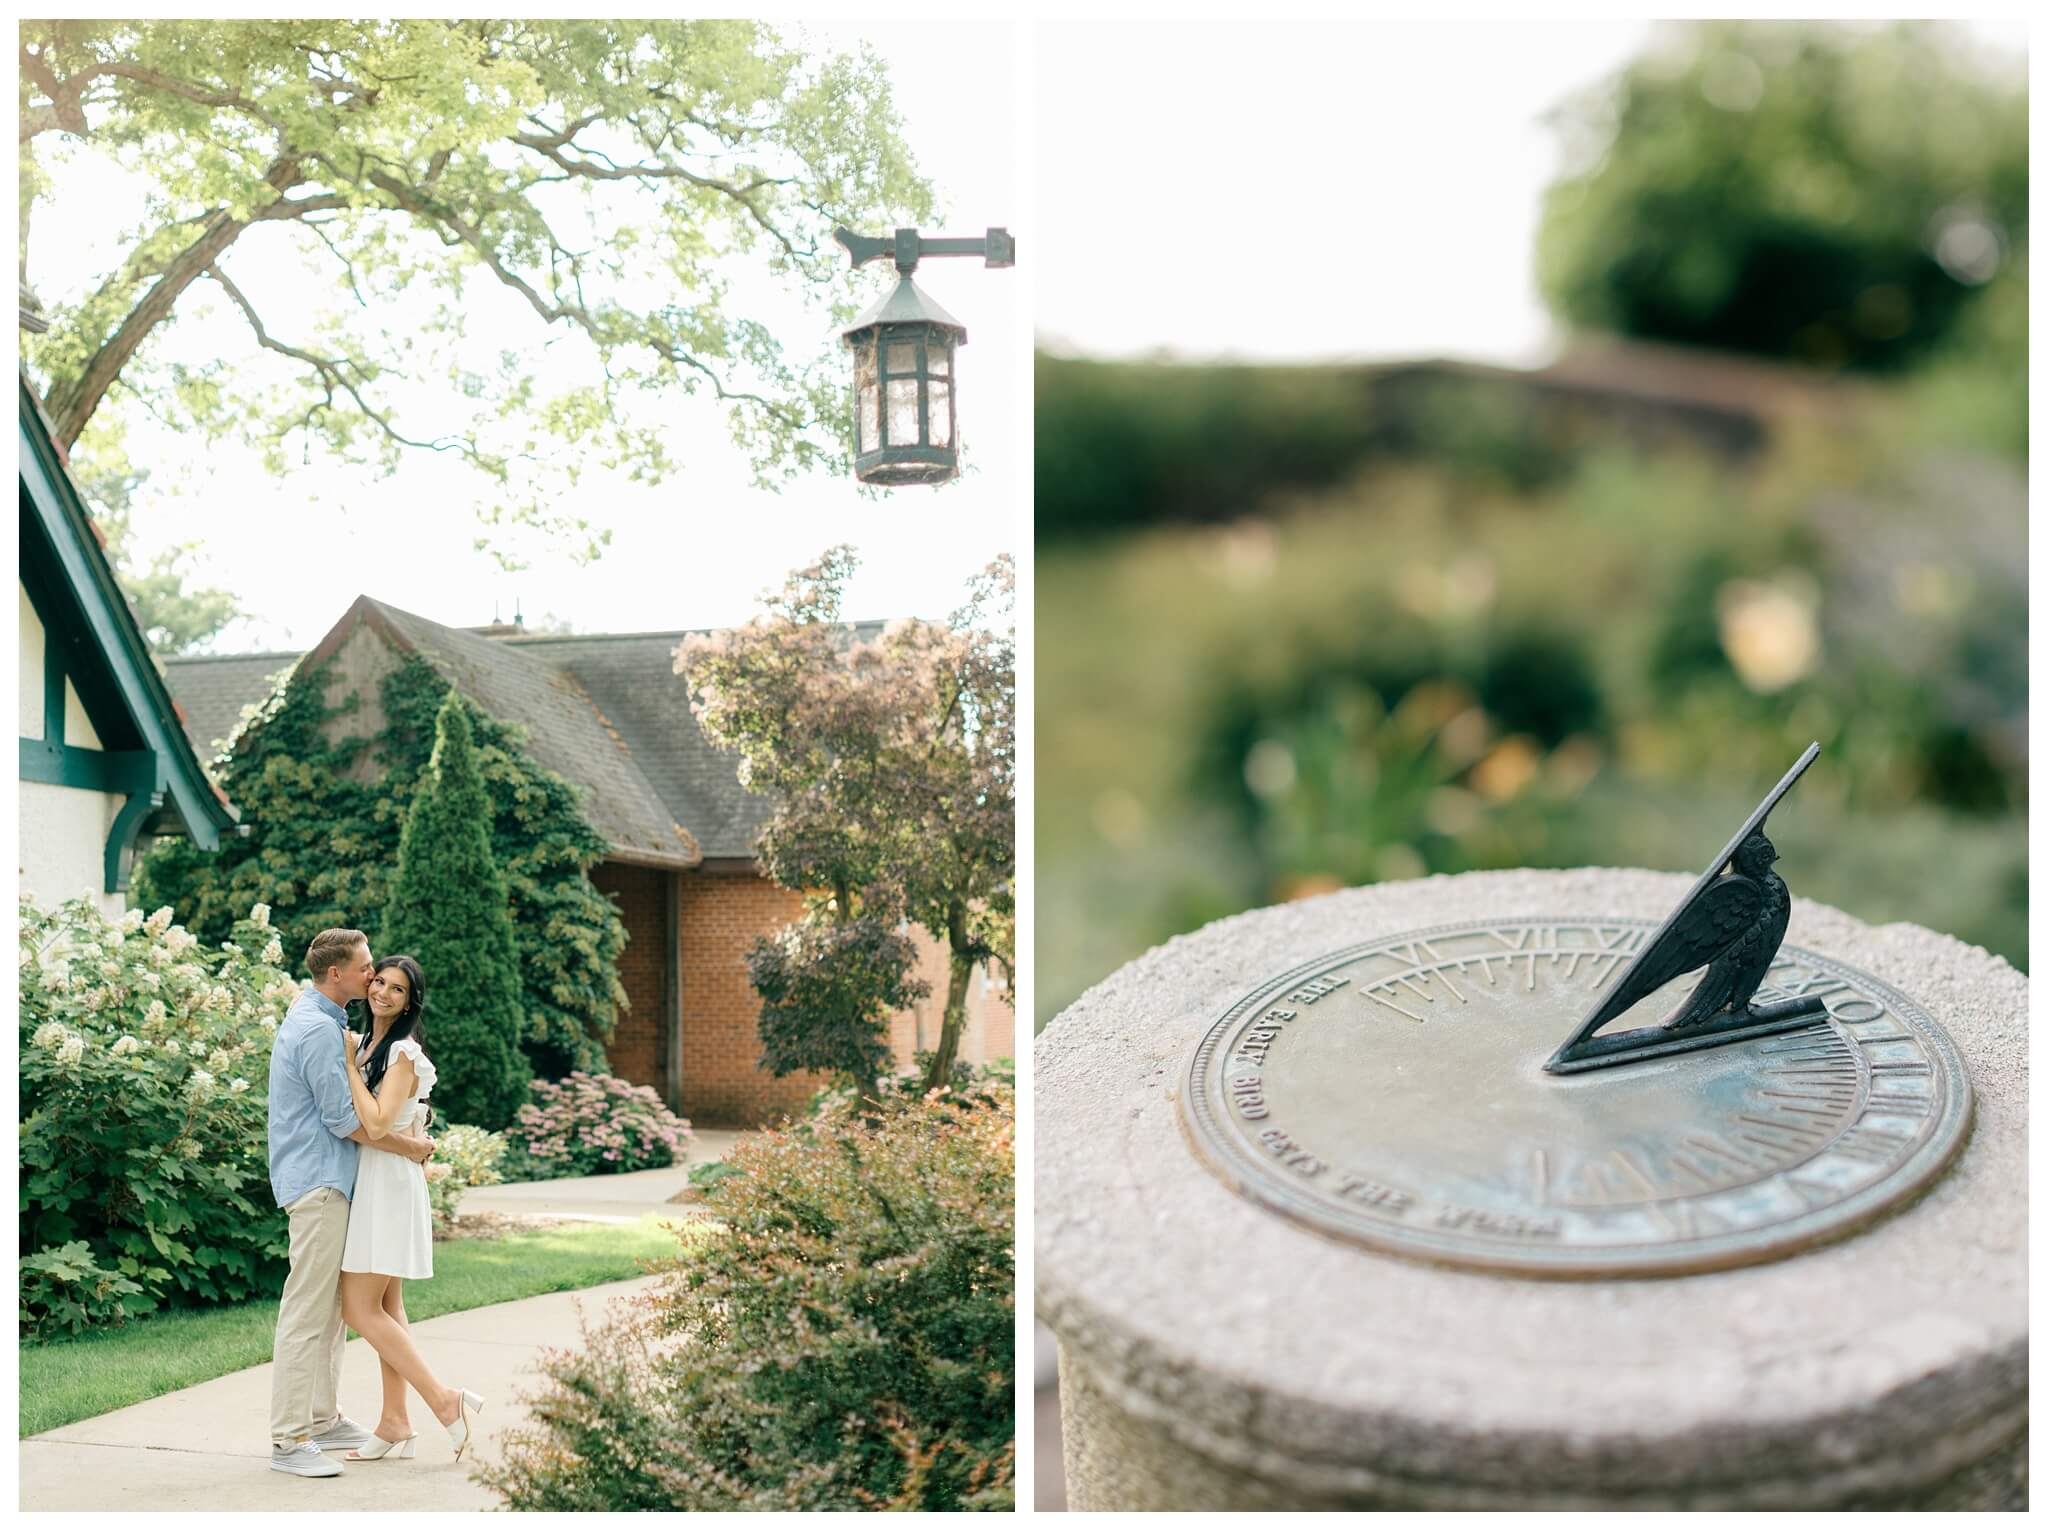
pixel 53 686
pixel 65 765
pixel 132 774
pixel 90 634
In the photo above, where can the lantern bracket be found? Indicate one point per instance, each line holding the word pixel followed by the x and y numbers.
pixel 998 247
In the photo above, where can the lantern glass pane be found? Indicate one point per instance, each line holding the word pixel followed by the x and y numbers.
pixel 903 412
pixel 902 358
pixel 940 358
pixel 942 414
pixel 864 363
pixel 870 417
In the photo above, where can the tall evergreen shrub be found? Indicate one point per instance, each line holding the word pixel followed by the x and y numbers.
pixel 448 909
pixel 322 848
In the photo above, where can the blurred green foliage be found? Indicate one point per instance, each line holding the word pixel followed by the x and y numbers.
pixel 1841 196
pixel 1417 672
pixel 1301 628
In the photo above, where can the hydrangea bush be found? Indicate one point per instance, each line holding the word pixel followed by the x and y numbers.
pixel 144 1081
pixel 592 1124
pixel 842 1338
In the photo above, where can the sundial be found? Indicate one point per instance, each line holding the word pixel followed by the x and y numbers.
pixel 1584 1097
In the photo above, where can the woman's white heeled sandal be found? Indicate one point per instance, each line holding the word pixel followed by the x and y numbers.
pixel 379 1449
pixel 459 1433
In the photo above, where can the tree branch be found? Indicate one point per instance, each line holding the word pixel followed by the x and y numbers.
pixel 333 373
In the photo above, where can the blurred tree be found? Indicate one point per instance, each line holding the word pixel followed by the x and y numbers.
pixel 1830 194
pixel 600 171
pixel 175 615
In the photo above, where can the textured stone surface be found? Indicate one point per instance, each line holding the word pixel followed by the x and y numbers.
pixel 1217 1355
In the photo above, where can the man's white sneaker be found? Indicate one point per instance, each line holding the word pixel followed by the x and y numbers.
pixel 343 1435
pixel 305 1459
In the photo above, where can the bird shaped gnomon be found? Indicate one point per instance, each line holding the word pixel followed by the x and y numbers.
pixel 1731 923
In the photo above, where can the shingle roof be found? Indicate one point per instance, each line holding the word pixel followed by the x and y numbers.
pixel 605 710
pixel 631 678
pixel 213 689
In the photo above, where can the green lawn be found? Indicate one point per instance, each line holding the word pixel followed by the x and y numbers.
pixel 70 1380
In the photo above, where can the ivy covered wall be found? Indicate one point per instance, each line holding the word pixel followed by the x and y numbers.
pixel 325 804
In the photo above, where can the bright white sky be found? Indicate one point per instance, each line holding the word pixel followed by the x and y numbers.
pixel 691 552
pixel 1318 190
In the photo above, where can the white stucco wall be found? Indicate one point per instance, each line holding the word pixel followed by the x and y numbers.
pixel 78 729
pixel 31 669
pixel 63 843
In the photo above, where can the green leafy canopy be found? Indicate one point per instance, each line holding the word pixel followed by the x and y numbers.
pixel 621 185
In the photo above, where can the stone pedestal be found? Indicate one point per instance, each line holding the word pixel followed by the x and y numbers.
pixel 1217 1356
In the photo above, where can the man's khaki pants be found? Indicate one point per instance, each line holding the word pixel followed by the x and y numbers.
pixel 305 1371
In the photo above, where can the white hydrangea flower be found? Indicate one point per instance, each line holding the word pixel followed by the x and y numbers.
pixel 174 1047
pixel 220 1060
pixel 156 956
pixel 270 1025
pixel 72 1050
pixel 160 921
pixel 273 953
pixel 200 1082
pixel 124 1045
pixel 179 939
pixel 238 1087
pixel 49 1034
pixel 110 970
pixel 149 980
pixel 260 916
pixel 154 1014
pixel 94 998
pixel 131 922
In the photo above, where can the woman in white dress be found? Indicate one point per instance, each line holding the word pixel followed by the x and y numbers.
pixel 390 1227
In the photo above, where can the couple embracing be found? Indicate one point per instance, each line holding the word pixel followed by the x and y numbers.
pixel 360 1224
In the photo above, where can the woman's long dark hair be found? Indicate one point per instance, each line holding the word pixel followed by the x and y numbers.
pixel 407 1024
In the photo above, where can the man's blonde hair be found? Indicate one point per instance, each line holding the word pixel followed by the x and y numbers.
pixel 331 947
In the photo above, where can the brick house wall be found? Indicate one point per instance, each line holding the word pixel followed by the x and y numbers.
pixel 636 1047
pixel 720 914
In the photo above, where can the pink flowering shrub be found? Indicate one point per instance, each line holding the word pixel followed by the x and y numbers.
pixel 592 1124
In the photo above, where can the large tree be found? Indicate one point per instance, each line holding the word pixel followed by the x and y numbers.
pixel 1819 192
pixel 603 175
pixel 892 761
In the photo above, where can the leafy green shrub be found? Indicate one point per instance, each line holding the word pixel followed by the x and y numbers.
pixel 144 1079
pixel 592 1124
pixel 969 1082
pixel 64 1290
pixel 464 1158
pixel 710 1175
pixel 448 910
pixel 322 847
pixel 1771 187
pixel 845 1340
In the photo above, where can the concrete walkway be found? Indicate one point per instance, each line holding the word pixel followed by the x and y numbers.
pixel 208 1447
pixel 605 1198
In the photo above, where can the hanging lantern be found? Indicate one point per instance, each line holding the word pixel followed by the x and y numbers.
pixel 905 399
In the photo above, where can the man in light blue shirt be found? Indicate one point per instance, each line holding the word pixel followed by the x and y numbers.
pixel 314 1134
